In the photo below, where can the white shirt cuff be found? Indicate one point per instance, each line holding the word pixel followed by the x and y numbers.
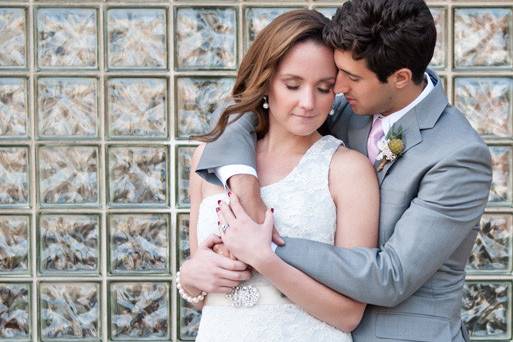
pixel 273 247
pixel 225 172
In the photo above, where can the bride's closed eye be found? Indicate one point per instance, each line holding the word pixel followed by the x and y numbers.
pixel 292 87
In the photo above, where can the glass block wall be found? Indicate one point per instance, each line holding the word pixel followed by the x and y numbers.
pixel 97 99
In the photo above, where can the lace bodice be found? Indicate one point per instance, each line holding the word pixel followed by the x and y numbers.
pixel 304 209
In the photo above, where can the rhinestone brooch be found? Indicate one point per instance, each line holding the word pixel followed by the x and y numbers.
pixel 243 296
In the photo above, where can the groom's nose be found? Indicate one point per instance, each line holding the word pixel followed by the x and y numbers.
pixel 341 84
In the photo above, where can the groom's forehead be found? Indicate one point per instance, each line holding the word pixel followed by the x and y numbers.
pixel 345 61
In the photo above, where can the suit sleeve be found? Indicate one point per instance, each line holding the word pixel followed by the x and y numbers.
pixel 235 146
pixel 450 201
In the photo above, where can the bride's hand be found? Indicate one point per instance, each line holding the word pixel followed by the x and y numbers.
pixel 211 272
pixel 248 240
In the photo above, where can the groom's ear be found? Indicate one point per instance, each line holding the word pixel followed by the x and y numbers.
pixel 400 78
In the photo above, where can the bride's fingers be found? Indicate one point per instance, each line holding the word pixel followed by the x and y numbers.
pixel 234 275
pixel 236 207
pixel 228 283
pixel 226 289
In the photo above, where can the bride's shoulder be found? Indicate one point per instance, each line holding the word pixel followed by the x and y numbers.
pixel 347 164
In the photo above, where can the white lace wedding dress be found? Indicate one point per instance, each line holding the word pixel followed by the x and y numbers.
pixel 304 209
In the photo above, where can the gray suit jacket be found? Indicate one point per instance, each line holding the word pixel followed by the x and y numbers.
pixel 432 199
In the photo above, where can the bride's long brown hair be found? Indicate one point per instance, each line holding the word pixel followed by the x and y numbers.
pixel 260 64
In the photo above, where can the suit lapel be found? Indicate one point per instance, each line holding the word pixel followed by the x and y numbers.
pixel 423 116
pixel 411 137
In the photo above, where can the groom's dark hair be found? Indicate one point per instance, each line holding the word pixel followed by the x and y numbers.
pixel 388 34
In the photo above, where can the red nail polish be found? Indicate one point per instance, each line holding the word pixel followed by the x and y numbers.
pixel 219 202
pixel 272 210
pixel 218 209
pixel 218 223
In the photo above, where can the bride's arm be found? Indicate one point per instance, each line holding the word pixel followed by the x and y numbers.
pixel 354 188
pixel 206 270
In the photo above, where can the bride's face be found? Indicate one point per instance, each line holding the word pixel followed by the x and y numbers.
pixel 301 92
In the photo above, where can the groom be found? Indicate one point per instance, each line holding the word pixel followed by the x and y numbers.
pixel 432 194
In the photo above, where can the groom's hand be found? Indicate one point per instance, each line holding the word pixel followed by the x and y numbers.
pixel 247 240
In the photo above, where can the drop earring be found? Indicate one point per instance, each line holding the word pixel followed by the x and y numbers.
pixel 265 105
pixel 332 111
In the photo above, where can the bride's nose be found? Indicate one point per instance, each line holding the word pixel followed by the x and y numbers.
pixel 307 100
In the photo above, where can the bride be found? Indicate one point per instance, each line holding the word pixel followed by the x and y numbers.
pixel 318 190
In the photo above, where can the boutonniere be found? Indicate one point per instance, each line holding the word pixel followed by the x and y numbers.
pixel 391 147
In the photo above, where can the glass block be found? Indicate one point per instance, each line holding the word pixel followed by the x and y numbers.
pixel 15 321
pixel 500 192
pixel 68 175
pixel 67 107
pixel 184 155
pixel 13 52
pixel 189 321
pixel 183 250
pixel 69 311
pixel 206 38
pixel 140 310
pixel 197 100
pixel 67 38
pixel 487 103
pixel 68 243
pixel 14 185
pixel 328 12
pixel 482 37
pixel 137 38
pixel 14 244
pixel 13 108
pixel 139 243
pixel 259 17
pixel 492 251
pixel 486 310
pixel 137 107
pixel 138 175
pixel 440 17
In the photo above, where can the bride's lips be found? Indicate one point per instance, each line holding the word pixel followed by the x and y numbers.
pixel 305 116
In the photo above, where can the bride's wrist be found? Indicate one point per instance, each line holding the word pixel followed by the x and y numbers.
pixel 186 283
pixel 191 290
pixel 186 294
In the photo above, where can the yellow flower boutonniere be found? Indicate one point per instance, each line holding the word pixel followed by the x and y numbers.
pixel 391 147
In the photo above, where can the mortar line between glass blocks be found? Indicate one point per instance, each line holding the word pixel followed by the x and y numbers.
pixel 30 98
pixel 104 310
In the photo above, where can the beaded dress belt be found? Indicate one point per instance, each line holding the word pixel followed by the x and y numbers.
pixel 247 296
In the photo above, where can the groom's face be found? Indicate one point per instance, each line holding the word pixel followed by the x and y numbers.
pixel 366 94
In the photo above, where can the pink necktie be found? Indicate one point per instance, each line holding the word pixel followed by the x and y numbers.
pixel 375 135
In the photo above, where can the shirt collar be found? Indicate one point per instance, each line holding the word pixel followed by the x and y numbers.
pixel 389 120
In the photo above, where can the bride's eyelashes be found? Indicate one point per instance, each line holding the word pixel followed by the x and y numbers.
pixel 320 89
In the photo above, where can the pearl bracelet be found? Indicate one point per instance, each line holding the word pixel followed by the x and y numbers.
pixel 185 295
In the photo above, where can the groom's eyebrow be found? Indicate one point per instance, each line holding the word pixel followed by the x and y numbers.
pixel 349 73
